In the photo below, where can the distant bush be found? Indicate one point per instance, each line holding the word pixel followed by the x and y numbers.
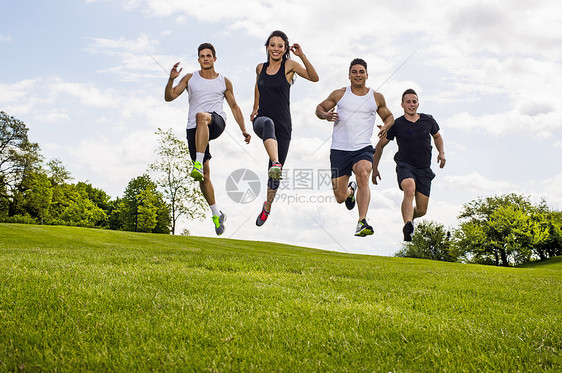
pixel 18 219
pixel 430 241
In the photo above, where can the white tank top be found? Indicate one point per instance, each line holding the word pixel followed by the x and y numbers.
pixel 357 116
pixel 205 95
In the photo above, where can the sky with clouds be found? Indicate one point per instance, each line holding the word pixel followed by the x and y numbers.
pixel 87 77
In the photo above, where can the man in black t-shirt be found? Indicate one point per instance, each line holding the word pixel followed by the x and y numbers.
pixel 413 159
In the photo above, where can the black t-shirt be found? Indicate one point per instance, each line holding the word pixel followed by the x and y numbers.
pixel 414 140
pixel 275 100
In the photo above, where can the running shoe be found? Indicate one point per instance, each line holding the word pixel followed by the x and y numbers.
pixel 262 217
pixel 275 171
pixel 197 172
pixel 408 230
pixel 219 223
pixel 350 201
pixel 363 229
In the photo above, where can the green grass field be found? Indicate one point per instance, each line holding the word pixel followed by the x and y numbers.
pixel 74 299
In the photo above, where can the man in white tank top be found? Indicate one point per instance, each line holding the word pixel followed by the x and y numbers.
pixel 351 150
pixel 207 90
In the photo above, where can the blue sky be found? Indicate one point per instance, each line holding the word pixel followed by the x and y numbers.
pixel 85 76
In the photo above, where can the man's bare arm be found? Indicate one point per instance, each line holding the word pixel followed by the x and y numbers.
pixel 236 112
pixel 171 92
pixel 383 141
pixel 384 114
pixel 325 110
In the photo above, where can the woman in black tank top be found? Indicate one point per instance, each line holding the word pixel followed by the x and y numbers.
pixel 271 115
pixel 274 102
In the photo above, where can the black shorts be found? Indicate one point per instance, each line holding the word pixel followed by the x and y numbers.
pixel 342 161
pixel 422 177
pixel 215 130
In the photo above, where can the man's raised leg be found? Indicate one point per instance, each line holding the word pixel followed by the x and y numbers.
pixel 203 121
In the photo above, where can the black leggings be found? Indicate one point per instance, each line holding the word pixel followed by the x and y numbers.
pixel 265 129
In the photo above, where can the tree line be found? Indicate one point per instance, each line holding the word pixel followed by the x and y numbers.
pixel 37 192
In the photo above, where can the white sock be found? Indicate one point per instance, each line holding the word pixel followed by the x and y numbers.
pixel 214 209
pixel 199 157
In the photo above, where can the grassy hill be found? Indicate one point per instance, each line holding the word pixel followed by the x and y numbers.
pixel 74 299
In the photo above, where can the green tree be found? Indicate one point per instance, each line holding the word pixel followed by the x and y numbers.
pixel 114 215
pixel 163 215
pixel 512 233
pixel 99 198
pixel 17 153
pixel 142 208
pixel 4 199
pixel 180 191
pixel 72 203
pixel 431 240
pixel 547 232
pixel 37 195
pixel 471 239
pixel 57 172
pixel 506 230
pixel 84 213
pixel 71 206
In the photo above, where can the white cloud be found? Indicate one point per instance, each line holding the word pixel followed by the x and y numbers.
pixel 110 46
pixel 86 93
pixel 55 116
pixel 135 59
pixel 502 26
pixel 5 38
pixel 540 126
pixel 476 183
pixel 549 190
pixel 18 92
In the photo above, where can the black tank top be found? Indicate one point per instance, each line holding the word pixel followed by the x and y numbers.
pixel 275 99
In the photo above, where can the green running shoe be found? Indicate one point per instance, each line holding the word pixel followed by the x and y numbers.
pixel 197 172
pixel 275 171
pixel 219 223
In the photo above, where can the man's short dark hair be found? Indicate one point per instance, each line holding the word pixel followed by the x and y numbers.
pixel 206 46
pixel 409 91
pixel 358 61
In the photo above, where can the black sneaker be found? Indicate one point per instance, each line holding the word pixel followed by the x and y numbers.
pixel 408 230
pixel 363 229
pixel 350 201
